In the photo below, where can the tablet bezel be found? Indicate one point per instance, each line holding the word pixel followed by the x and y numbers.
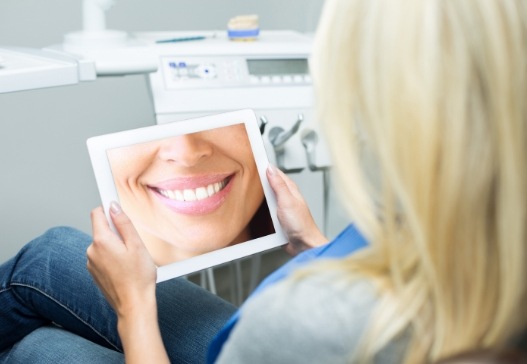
pixel 98 146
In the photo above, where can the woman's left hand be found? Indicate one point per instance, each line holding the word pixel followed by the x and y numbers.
pixel 126 274
pixel 294 215
pixel 122 267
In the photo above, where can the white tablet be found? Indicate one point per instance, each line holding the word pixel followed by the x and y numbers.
pixel 195 190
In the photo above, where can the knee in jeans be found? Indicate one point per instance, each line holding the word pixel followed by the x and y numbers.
pixel 52 254
pixel 56 242
pixel 60 234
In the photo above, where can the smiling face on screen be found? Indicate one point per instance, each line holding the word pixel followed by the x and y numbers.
pixel 189 194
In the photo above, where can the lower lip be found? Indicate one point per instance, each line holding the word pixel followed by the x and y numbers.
pixel 198 207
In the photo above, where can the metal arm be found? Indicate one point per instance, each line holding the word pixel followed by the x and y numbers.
pixel 278 136
pixel 309 140
pixel 94 19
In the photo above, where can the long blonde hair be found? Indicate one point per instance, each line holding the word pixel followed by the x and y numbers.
pixel 424 106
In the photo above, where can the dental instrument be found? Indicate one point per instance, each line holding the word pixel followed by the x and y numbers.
pixel 278 137
pixel 181 39
pixel 309 138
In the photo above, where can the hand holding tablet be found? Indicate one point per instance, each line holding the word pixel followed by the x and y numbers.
pixel 195 190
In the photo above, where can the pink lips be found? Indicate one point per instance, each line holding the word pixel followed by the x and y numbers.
pixel 200 206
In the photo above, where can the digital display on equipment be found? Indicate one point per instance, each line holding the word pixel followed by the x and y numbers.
pixel 270 67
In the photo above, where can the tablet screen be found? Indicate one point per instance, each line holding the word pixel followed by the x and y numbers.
pixel 195 190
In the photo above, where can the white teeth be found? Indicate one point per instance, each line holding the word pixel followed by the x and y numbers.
pixel 179 196
pixel 189 195
pixel 199 193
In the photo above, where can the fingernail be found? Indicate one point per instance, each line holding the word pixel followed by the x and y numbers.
pixel 271 169
pixel 115 208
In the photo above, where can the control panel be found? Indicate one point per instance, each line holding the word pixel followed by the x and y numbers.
pixel 233 71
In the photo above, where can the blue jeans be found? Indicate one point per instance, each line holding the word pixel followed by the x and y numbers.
pixel 51 311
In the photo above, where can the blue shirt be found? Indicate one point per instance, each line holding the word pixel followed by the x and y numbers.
pixel 348 241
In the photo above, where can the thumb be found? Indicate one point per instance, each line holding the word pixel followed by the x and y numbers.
pixel 277 182
pixel 124 225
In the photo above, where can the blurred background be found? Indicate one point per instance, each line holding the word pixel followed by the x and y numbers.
pixel 47 179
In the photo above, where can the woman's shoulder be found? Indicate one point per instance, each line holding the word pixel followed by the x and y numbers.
pixel 323 300
pixel 316 318
pixel 325 290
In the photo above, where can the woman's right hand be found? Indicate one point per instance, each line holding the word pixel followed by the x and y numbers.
pixel 294 215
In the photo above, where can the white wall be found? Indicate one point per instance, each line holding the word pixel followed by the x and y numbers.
pixel 46 174
pixel 40 23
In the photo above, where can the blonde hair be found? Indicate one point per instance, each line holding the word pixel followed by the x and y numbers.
pixel 423 102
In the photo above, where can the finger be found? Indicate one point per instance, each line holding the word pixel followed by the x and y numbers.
pixel 285 189
pixel 277 181
pixel 99 222
pixel 291 185
pixel 124 225
pixel 90 263
pixel 289 249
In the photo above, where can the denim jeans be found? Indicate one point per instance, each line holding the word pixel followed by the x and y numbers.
pixel 51 311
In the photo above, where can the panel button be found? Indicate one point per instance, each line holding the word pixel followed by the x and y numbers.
pixel 265 79
pixel 206 71
pixel 287 79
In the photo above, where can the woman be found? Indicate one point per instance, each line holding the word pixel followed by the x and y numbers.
pixel 191 194
pixel 422 101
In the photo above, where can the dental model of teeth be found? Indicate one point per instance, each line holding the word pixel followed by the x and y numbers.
pixel 243 28
pixel 196 194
